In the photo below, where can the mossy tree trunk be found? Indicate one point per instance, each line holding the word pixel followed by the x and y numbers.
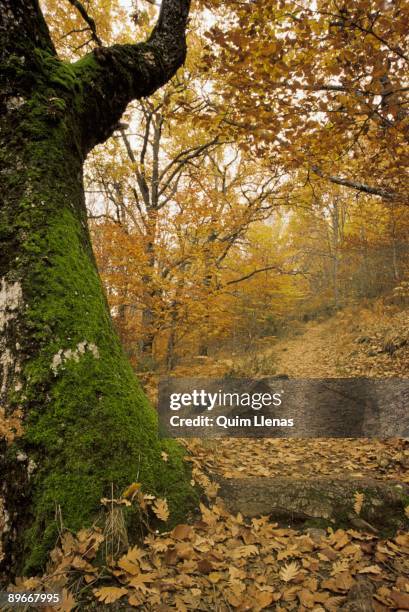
pixel 66 390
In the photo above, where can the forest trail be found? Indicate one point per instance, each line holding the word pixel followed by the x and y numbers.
pixel 357 341
pixel 313 354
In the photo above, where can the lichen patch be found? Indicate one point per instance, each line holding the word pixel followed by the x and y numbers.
pixel 64 355
pixel 14 102
pixel 10 298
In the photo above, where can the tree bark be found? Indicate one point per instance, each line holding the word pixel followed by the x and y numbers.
pixel 68 396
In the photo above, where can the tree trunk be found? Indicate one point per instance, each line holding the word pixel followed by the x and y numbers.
pixel 68 395
pixel 148 335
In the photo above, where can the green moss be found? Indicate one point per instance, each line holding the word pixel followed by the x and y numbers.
pixel 91 426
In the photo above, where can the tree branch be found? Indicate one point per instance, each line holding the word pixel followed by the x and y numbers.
pixel 258 271
pixel 377 191
pixel 88 20
pixel 111 77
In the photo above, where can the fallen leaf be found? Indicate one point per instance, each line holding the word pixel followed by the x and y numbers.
pixel 263 599
pixel 68 602
pixel 109 594
pixel 182 532
pixel 204 566
pixel 215 577
pixel 161 510
pixel 289 571
pixel 400 599
pixel 131 490
pixel 370 569
pixel 138 582
pixel 244 551
pixel 359 500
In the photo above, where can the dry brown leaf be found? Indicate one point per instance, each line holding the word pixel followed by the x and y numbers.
pixel 184 550
pixel 81 564
pixel 401 600
pixel 135 599
pixel 402 539
pixel 341 582
pixel 383 595
pixel 182 532
pixel 215 577
pixel 327 554
pixel 138 582
pixel 244 551
pixel 212 489
pixel 370 569
pixel 334 604
pixel 204 566
pixel 68 543
pixel 128 566
pixel 161 510
pixel 233 599
pixel 89 578
pixel 236 574
pixel 131 490
pixel 263 599
pixel 339 539
pixel 290 593
pixel 109 594
pixel 339 566
pixel 29 584
pixel 359 500
pixel 207 515
pixel 68 602
pixel 289 571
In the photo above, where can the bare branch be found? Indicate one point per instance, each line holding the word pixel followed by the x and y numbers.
pixel 377 191
pixel 259 270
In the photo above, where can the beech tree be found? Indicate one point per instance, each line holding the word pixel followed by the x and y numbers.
pixel 73 418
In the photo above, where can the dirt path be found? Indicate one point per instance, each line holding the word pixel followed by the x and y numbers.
pixel 314 354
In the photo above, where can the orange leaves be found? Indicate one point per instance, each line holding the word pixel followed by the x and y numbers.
pixel 222 558
pixel 131 490
pixel 359 500
pixel 401 600
pixel 109 594
pixel 161 510
pixel 127 563
pixel 289 571
pixel 318 75
pixel 140 581
pixel 244 551
pixel 182 532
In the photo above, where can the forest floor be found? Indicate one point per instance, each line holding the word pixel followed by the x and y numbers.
pixel 222 561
